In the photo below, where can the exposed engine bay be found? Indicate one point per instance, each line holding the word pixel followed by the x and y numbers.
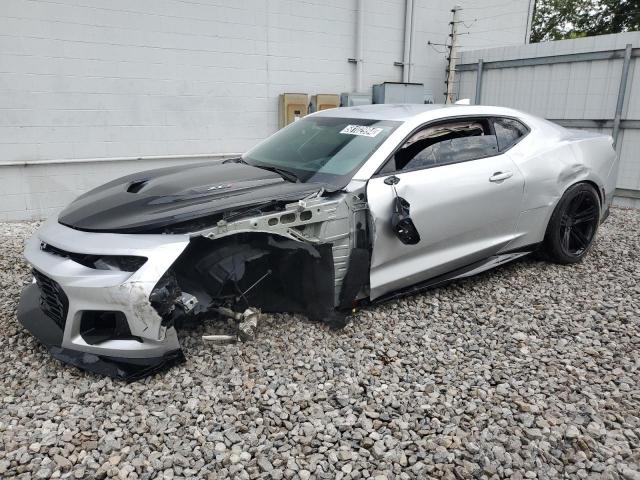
pixel 290 259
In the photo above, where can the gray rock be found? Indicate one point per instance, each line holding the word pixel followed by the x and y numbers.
pixel 526 369
pixel 572 432
pixel 520 336
pixel 264 463
pixel 630 474
pixel 62 462
pixel 304 474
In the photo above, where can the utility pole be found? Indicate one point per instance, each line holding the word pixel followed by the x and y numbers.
pixel 453 55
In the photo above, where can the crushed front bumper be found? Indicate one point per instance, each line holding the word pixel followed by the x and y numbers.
pixel 54 308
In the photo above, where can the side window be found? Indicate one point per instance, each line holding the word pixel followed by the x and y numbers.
pixel 446 143
pixel 508 132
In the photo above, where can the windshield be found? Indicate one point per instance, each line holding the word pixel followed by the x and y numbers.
pixel 321 149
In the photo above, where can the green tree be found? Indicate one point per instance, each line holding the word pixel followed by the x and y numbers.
pixel 561 19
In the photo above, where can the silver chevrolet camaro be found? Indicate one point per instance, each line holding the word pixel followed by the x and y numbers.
pixel 345 207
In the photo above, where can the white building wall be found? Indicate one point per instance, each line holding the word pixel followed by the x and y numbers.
pixel 88 79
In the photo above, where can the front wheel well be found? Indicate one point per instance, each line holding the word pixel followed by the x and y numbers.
pixel 267 271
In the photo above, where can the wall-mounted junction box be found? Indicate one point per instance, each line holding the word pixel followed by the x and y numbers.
pixel 292 107
pixel 323 101
pixel 353 99
pixel 398 92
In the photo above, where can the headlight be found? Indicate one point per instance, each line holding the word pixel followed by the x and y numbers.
pixel 124 263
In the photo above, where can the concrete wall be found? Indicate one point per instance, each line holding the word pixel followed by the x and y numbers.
pixel 585 90
pixel 88 79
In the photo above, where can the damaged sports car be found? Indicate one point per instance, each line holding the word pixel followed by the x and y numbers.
pixel 343 208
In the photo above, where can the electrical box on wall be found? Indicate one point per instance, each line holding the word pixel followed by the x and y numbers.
pixel 354 99
pixel 397 92
pixel 323 101
pixel 292 107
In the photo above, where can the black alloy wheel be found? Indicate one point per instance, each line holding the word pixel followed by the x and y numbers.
pixel 573 225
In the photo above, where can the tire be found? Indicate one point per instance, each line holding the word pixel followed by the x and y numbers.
pixel 573 225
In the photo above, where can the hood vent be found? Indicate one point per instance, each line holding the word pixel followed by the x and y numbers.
pixel 136 185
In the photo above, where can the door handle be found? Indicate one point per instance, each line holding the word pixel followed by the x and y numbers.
pixel 500 176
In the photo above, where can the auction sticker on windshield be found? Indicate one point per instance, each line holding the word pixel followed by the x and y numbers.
pixel 361 130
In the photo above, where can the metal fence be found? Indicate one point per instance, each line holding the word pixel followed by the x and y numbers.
pixel 585 83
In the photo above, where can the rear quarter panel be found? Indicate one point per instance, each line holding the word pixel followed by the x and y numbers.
pixel 553 158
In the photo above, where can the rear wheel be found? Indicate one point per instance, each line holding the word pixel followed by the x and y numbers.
pixel 573 225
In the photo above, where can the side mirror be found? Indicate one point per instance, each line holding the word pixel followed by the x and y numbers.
pixel 401 222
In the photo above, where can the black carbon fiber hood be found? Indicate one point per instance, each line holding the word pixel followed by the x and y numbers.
pixel 155 200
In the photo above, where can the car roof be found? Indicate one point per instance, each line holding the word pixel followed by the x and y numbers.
pixel 405 112
pixel 382 111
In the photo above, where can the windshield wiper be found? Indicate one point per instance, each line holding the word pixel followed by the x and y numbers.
pixel 286 174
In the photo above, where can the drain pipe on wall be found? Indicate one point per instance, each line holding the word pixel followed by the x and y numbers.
pixel 408 34
pixel 359 45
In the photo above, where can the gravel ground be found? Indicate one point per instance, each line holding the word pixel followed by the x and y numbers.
pixel 528 371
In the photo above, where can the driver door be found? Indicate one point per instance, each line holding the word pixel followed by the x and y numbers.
pixel 464 195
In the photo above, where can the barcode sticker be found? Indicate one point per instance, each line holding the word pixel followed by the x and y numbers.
pixel 361 130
